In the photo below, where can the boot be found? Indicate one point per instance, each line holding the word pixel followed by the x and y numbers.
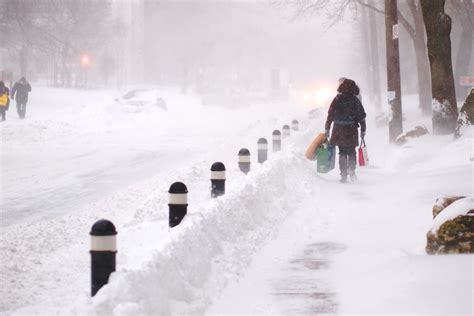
pixel 352 175
pixel 343 178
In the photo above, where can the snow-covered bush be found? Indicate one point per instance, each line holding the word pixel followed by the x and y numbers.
pixel 466 115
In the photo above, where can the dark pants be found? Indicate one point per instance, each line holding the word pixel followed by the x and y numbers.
pixel 21 108
pixel 3 109
pixel 347 159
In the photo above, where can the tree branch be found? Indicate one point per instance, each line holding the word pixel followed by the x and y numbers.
pixel 406 24
pixel 370 7
pixel 410 29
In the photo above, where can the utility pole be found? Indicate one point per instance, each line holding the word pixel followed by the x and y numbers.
pixel 393 69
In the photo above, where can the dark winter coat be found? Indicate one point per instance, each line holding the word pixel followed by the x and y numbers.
pixel 20 91
pixel 347 113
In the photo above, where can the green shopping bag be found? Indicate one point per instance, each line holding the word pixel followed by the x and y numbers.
pixel 326 157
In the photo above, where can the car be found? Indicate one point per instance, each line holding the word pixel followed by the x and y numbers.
pixel 142 98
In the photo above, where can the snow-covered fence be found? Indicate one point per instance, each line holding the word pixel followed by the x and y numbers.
pixel 262 150
pixel 276 139
pixel 217 179
pixel 178 203
pixel 244 160
pixel 103 252
pixel 286 131
pixel 295 125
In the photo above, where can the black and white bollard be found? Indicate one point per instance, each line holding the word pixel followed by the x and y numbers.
pixel 103 253
pixel 295 125
pixel 276 139
pixel 262 150
pixel 178 203
pixel 286 131
pixel 244 160
pixel 217 179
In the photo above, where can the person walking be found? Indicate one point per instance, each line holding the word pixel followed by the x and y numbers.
pixel 4 100
pixel 20 91
pixel 347 114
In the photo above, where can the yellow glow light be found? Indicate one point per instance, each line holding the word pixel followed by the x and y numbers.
pixel 85 60
pixel 323 95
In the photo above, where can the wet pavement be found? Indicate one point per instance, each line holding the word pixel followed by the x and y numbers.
pixel 304 289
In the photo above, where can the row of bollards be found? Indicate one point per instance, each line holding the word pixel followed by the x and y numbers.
pixel 262 150
pixel 103 234
pixel 286 131
pixel 217 179
pixel 103 252
pixel 178 203
pixel 295 125
pixel 244 160
pixel 276 140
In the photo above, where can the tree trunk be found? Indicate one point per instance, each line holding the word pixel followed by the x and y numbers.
pixel 417 34
pixel 23 60
pixel 393 69
pixel 377 98
pixel 463 59
pixel 366 48
pixel 55 71
pixel 438 29
pixel 464 55
pixel 422 63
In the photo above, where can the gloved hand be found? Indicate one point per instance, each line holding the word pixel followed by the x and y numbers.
pixel 362 134
pixel 327 133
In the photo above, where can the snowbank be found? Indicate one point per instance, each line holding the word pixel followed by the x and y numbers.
pixel 50 202
pixel 204 252
pixel 380 222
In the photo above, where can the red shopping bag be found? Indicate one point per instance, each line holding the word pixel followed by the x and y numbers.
pixel 363 155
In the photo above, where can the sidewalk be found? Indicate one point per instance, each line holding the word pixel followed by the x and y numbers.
pixel 358 248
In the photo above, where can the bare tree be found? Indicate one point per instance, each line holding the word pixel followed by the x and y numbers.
pixel 59 29
pixel 20 31
pixel 438 30
pixel 374 53
pixel 336 11
pixel 416 32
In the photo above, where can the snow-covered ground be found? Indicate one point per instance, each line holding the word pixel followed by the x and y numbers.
pixel 283 239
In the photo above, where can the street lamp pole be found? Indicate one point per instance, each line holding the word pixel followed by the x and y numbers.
pixel 85 63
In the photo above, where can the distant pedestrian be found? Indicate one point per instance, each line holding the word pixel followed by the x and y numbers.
pixel 347 113
pixel 4 100
pixel 20 91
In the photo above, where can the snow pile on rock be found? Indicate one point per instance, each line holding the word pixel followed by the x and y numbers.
pixel 413 133
pixel 453 226
pixel 444 202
